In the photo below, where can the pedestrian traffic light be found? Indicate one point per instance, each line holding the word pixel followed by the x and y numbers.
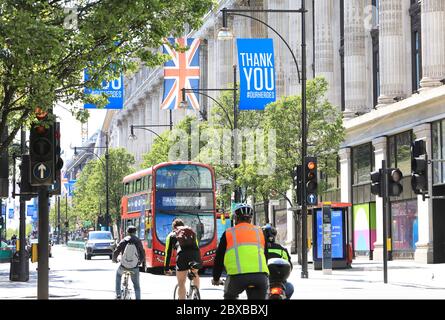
pixel 395 187
pixel 376 183
pixel 419 167
pixel 310 164
pixel 41 149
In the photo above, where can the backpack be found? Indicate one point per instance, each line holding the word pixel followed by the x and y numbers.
pixel 130 257
pixel 185 236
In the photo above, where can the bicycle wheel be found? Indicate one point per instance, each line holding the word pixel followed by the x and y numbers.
pixel 175 293
pixel 194 294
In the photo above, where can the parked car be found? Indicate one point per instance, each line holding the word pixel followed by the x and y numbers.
pixel 6 251
pixel 99 243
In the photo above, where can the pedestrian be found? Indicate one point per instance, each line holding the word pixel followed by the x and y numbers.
pixel 133 255
pixel 183 240
pixel 241 251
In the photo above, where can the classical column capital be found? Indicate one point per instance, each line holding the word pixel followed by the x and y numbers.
pixel 379 144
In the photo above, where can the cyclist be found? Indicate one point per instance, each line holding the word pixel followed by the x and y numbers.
pixel 275 250
pixel 185 255
pixel 131 238
pixel 241 251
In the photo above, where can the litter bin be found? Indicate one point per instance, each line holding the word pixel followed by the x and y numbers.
pixel 14 272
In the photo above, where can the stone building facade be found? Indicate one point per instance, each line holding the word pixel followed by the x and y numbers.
pixel 385 64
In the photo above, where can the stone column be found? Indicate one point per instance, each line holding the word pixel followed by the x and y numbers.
pixel 433 43
pixel 424 246
pixel 324 50
pixel 293 87
pixel 147 120
pixel 283 58
pixel 380 150
pixel 356 85
pixel 345 174
pixel 391 52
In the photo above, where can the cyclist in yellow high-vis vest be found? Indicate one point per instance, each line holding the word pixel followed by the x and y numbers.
pixel 241 253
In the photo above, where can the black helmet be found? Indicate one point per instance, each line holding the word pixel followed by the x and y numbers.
pixel 270 233
pixel 243 211
pixel 131 229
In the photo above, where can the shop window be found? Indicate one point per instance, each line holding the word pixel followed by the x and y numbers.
pixel 399 152
pixel 438 140
pixel 404 225
pixel 362 163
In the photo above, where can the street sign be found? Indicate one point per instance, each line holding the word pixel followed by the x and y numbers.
pixel 113 89
pixel 257 73
pixel 11 213
pixel 41 171
pixel 311 199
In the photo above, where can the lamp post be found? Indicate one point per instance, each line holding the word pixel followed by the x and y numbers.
pixel 200 91
pixel 147 127
pixel 107 156
pixel 226 34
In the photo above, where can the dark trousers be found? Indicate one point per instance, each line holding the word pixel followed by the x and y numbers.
pixel 255 284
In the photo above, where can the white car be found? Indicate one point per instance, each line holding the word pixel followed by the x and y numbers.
pixel 99 243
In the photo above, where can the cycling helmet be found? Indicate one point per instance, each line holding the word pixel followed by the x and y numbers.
pixel 131 229
pixel 243 211
pixel 270 233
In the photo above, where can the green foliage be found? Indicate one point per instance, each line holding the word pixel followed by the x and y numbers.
pixel 90 192
pixel 44 49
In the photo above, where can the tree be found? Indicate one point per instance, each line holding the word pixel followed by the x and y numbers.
pixel 89 195
pixel 44 49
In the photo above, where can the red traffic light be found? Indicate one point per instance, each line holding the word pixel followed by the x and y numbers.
pixel 40 114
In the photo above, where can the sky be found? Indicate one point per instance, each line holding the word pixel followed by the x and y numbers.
pixel 70 128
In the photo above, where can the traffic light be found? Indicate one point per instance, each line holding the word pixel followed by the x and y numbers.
pixel 376 183
pixel 297 182
pixel 395 187
pixel 311 180
pixel 58 162
pixel 419 167
pixel 41 150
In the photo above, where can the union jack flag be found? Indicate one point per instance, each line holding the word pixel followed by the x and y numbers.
pixel 182 71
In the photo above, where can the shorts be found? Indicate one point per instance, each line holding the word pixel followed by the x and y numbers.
pixel 186 256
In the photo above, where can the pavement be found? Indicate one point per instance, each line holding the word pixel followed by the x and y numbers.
pixel 406 280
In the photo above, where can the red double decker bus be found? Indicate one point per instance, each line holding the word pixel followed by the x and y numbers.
pixel 154 197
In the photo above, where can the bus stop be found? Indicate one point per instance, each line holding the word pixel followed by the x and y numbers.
pixel 340 243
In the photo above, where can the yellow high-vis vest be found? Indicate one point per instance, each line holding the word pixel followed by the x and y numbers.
pixel 245 250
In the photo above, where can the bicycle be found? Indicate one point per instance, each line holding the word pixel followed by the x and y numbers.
pixel 126 291
pixel 193 292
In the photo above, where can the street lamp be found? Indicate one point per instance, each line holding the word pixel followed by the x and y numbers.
pixel 226 34
pixel 132 136
pixel 107 156
pixel 200 91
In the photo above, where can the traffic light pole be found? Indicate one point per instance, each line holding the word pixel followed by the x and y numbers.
pixel 304 271
pixel 42 259
pixel 385 218
pixel 23 272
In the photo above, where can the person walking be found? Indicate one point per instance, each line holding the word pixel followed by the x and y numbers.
pixel 241 251
pixel 183 240
pixel 133 255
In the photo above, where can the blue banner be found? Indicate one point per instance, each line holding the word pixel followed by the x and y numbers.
pixel 257 73
pixel 11 213
pixel 31 210
pixel 114 89
pixel 69 187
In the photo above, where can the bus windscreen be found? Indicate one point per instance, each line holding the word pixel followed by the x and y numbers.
pixel 183 176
